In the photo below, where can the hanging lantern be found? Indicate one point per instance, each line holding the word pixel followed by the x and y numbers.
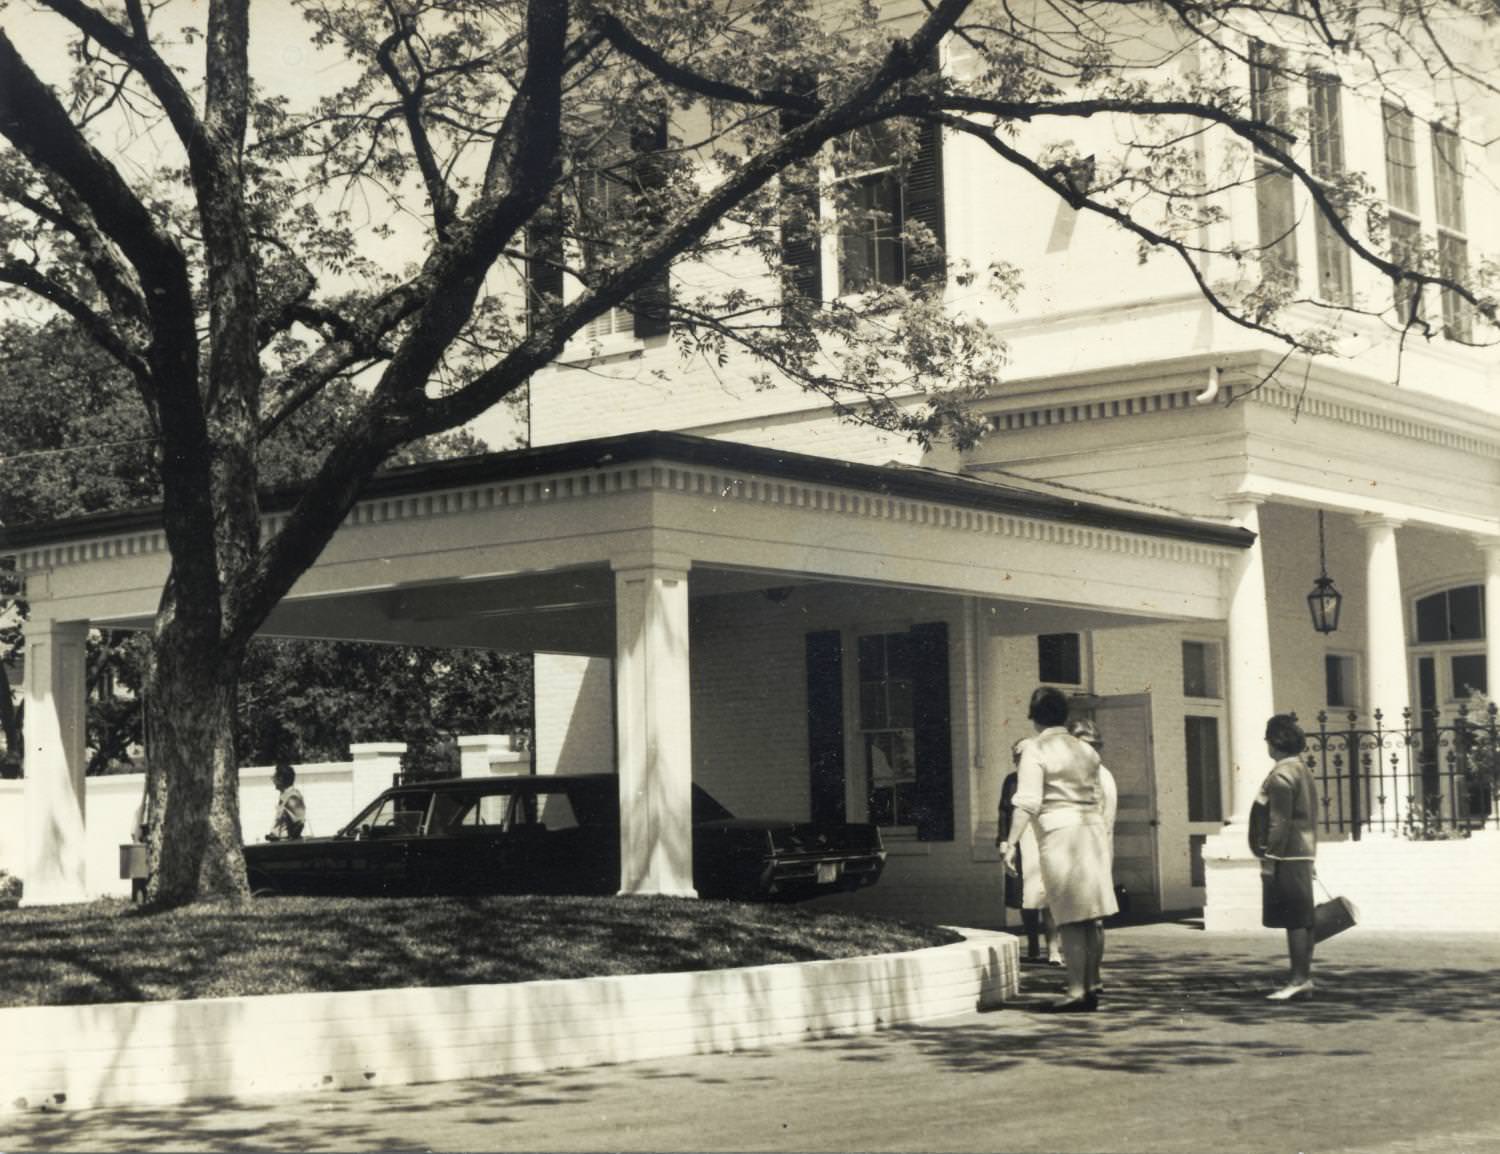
pixel 1324 602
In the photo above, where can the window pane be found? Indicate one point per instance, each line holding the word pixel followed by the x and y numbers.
pixel 1453 263
pixel 1338 679
pixel 1277 220
pixel 1334 283
pixel 1204 802
pixel 871 657
pixel 1432 618
pixel 1327 126
pixel 1200 669
pixel 1466 613
pixel 1269 101
pixel 1406 250
pixel 1059 658
pixel 872 710
pixel 1469 675
pixel 1448 177
pixel 1400 158
pixel 869 246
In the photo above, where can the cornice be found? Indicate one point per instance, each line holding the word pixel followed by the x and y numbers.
pixel 956 504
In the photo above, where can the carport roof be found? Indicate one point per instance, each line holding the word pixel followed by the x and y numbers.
pixel 1029 499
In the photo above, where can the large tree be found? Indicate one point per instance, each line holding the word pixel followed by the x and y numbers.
pixel 75 441
pixel 214 254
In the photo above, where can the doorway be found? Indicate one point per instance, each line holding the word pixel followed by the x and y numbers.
pixel 1125 728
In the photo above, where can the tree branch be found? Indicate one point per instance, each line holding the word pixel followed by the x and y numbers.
pixel 444 200
pixel 97 327
pixel 678 76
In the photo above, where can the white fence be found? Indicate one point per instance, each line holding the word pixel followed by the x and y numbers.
pixel 334 791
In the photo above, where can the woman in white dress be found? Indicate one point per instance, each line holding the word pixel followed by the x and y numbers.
pixel 1059 793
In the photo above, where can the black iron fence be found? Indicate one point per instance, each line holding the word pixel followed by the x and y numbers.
pixel 1433 776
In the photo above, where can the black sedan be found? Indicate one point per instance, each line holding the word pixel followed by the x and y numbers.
pixel 557 834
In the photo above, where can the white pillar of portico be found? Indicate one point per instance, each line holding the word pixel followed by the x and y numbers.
pixel 1232 898
pixel 653 722
pixel 1251 698
pixel 1387 686
pixel 1489 548
pixel 56 857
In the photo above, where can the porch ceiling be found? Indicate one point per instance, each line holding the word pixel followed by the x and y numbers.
pixel 516 550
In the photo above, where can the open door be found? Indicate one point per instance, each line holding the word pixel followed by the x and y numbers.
pixel 1125 728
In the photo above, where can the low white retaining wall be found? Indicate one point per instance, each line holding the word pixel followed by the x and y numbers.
pixel 77 1057
pixel 1398 884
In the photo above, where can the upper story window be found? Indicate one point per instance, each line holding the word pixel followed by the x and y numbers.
pixel 890 191
pixel 1400 134
pixel 1275 206
pixel 1453 245
pixel 870 215
pixel 618 190
pixel 888 194
pixel 1326 130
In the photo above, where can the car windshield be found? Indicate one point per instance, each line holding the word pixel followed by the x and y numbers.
pixel 395 815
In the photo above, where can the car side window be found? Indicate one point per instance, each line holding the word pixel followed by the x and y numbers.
pixel 555 811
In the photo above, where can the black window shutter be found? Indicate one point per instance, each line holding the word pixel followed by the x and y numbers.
pixel 651 305
pixel 544 258
pixel 825 724
pixel 922 199
pixel 801 206
pixel 933 737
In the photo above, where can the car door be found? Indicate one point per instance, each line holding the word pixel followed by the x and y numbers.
pixel 387 839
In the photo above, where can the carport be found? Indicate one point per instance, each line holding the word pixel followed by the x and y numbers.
pixel 595 548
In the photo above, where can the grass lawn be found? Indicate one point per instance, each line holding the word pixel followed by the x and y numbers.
pixel 110 952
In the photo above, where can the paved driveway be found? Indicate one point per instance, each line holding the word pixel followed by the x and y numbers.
pixel 1398 1053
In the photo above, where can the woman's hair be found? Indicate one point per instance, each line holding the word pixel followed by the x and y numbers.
pixel 1085 730
pixel 284 772
pixel 1048 706
pixel 1285 735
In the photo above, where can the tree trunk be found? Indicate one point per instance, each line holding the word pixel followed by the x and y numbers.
pixel 193 784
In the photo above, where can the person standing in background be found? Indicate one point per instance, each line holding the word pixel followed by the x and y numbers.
pixel 291 810
pixel 1026 876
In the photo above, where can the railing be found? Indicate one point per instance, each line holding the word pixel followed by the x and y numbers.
pixel 1431 777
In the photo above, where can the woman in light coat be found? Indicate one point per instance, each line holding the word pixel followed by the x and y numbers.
pixel 1059 793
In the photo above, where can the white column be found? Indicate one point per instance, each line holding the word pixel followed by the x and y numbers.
pixel 1489 547
pixel 376 764
pixel 56 861
pixel 490 755
pixel 1232 875
pixel 1251 698
pixel 654 730
pixel 1387 687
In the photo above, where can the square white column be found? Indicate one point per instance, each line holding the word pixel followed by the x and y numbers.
pixel 653 722
pixel 56 854
pixel 1388 688
pixel 1232 875
pixel 1489 548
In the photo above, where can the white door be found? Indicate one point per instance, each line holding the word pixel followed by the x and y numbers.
pixel 1125 729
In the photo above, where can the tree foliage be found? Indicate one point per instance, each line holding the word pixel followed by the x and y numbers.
pixel 241 254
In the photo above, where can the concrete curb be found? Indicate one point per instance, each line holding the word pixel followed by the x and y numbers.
pixel 154 1053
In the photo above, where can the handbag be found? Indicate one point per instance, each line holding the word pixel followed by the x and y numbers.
pixel 1333 916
